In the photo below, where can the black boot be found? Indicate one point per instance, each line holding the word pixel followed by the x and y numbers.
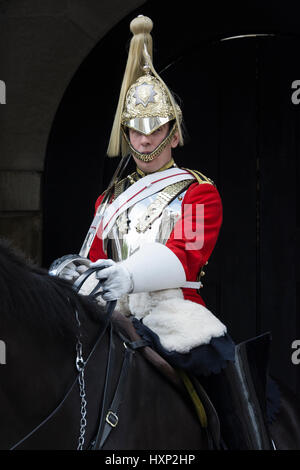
pixel 239 396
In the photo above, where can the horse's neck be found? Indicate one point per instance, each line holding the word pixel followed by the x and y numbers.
pixel 39 372
pixel 35 369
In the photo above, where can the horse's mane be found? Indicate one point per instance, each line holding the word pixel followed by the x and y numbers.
pixel 36 300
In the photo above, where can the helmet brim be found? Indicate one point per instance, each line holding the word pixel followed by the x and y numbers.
pixel 147 125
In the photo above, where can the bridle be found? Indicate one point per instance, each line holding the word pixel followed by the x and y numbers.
pixel 109 417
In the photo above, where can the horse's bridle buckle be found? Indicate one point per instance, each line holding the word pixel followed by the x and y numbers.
pixel 112 419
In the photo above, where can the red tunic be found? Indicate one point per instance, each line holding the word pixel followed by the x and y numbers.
pixel 192 260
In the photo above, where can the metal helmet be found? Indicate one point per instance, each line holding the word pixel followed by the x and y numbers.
pixel 145 102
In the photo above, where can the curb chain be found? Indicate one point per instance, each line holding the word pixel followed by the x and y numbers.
pixel 80 364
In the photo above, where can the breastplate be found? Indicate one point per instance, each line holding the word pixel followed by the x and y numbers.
pixel 136 226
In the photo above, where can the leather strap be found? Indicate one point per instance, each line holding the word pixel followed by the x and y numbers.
pixel 95 444
pixel 141 189
pixel 110 306
pixel 109 416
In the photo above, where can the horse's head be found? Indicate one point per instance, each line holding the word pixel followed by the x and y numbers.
pixel 37 301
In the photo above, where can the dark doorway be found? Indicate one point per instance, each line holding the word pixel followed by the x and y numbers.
pixel 243 132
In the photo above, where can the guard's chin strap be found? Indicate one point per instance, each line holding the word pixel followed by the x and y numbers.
pixel 170 164
pixel 148 157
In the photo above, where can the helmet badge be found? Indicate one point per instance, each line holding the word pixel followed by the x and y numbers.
pixel 144 94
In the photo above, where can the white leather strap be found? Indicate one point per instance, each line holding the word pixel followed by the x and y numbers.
pixel 143 188
pixel 192 285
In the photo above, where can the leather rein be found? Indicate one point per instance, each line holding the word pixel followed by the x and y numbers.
pixel 109 410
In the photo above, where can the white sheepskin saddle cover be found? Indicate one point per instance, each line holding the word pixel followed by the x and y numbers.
pixel 180 324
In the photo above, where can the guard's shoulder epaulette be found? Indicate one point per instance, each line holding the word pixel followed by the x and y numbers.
pixel 200 177
pixel 121 185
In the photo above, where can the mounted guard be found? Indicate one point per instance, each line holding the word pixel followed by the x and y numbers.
pixel 152 235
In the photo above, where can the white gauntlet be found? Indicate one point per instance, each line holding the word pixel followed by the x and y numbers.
pixel 71 272
pixel 153 267
pixel 116 280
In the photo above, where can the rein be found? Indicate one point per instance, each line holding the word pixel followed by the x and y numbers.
pixel 80 365
pixel 109 417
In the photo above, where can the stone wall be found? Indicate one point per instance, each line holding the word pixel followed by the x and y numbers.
pixel 41 46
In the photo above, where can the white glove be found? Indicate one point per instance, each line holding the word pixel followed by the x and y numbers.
pixel 116 280
pixel 71 272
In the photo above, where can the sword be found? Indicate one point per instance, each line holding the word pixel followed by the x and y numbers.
pixel 85 249
pixel 59 264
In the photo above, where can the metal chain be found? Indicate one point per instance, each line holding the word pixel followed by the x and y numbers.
pixel 80 364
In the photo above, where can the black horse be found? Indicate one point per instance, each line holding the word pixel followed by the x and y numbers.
pixel 39 381
pixel 50 401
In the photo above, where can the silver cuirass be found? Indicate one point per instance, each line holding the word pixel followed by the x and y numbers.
pixel 149 220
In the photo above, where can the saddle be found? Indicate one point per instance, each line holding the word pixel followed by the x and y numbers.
pixel 185 384
pixel 125 325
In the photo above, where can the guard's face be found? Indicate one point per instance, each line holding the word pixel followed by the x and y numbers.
pixel 147 143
